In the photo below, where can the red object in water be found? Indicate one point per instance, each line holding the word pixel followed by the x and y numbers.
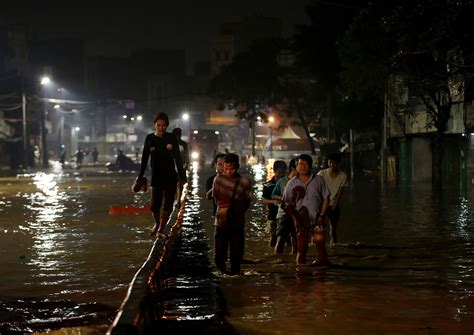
pixel 128 209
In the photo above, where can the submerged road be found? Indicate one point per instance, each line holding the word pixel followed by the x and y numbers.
pixel 403 265
pixel 400 268
pixel 184 295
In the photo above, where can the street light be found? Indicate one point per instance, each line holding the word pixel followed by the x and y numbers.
pixel 187 118
pixel 74 138
pixel 45 80
pixel 270 120
pixel 44 143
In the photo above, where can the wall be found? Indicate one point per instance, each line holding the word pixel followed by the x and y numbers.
pixel 469 152
pixel 421 166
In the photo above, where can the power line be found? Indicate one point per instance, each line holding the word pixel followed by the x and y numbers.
pixel 5 108
pixel 9 96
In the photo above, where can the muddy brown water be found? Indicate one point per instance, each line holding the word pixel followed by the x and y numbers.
pixel 404 264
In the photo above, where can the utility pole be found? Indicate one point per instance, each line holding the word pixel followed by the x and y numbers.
pixel 43 131
pixel 61 134
pixel 351 144
pixel 252 129
pixel 383 147
pixel 270 121
pixel 44 142
pixel 25 137
pixel 252 126
pixel 329 108
pixel 271 142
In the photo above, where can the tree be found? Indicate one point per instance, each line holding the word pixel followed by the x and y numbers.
pixel 250 82
pixel 308 89
pixel 255 80
pixel 427 45
pixel 316 46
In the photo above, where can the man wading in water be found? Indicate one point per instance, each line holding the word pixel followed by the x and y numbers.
pixel 306 199
pixel 232 194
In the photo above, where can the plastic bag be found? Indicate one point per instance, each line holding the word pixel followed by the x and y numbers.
pixel 140 184
pixel 222 213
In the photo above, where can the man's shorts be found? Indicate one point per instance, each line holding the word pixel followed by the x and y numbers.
pixel 285 226
pixel 166 192
pixel 334 214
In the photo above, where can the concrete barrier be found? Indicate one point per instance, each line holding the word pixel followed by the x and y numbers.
pixel 142 304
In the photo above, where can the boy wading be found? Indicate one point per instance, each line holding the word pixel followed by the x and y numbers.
pixel 232 194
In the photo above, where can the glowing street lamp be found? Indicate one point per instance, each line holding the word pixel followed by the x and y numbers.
pixel 187 118
pixel 75 138
pixel 45 80
pixel 270 120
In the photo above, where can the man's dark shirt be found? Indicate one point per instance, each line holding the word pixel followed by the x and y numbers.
pixel 267 194
pixel 165 159
pixel 184 152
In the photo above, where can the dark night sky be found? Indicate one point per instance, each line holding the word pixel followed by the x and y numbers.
pixel 117 29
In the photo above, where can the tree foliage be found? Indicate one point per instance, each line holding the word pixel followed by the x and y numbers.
pixel 426 45
pixel 317 44
pixel 251 79
pixel 318 48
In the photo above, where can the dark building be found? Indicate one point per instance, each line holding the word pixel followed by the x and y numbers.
pixel 14 73
pixel 148 81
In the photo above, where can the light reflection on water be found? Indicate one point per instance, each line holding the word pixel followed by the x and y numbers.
pixel 62 254
pixel 402 267
pixel 404 264
pixel 46 207
pixel 255 220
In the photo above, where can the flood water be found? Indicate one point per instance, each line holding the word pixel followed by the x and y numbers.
pixel 404 264
pixel 64 260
